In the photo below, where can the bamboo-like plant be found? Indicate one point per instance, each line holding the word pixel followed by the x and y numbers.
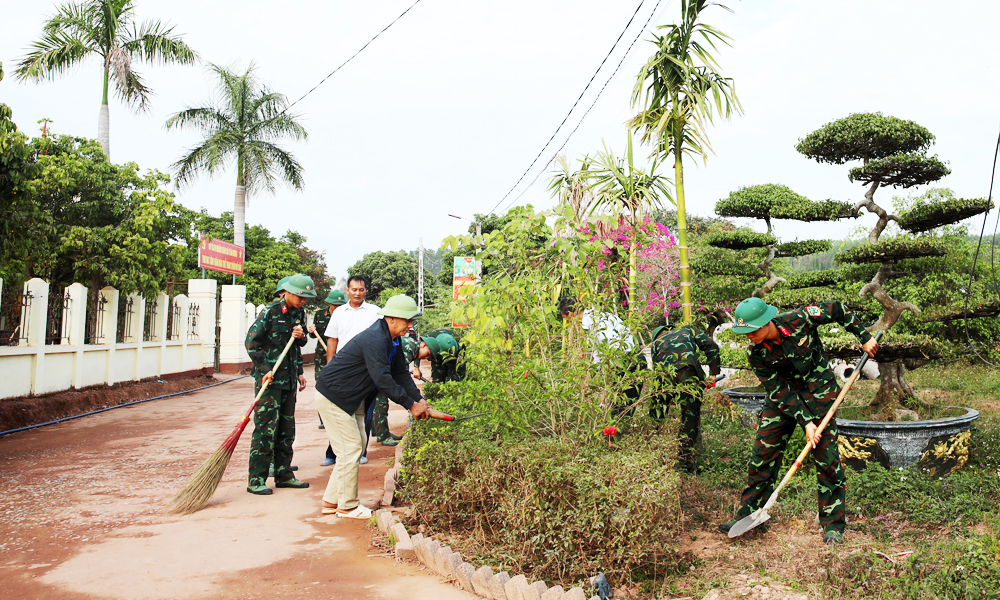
pixel 629 192
pixel 241 124
pixel 105 28
pixel 680 92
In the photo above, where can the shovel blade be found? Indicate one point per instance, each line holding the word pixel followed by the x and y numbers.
pixel 747 523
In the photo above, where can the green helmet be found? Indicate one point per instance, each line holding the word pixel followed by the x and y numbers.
pixel 752 314
pixel 658 331
pixel 448 344
pixel 300 285
pixel 336 298
pixel 401 306
pixel 281 286
pixel 432 345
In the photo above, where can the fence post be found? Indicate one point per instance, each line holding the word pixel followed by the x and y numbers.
pixel 77 329
pixel 109 330
pixel 204 293
pixel 33 325
pixel 159 333
pixel 182 306
pixel 135 333
pixel 233 329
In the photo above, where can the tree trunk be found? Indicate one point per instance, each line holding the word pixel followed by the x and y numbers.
pixel 893 391
pixel 239 216
pixel 104 130
pixel 682 245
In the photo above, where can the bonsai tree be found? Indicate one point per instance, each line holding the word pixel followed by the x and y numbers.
pixel 768 202
pixel 893 153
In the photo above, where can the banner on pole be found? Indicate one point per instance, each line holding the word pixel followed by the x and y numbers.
pixel 217 255
pixel 465 276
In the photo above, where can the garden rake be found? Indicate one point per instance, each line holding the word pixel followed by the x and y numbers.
pixel 199 488
pixel 761 515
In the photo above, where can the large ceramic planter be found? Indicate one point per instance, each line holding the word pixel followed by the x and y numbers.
pixel 937 447
pixel 749 399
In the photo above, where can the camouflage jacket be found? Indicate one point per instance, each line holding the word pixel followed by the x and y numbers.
pixel 321 318
pixel 679 349
pixel 411 348
pixel 800 358
pixel 267 338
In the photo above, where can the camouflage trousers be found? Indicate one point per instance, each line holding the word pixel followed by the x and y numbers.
pixel 273 434
pixel 689 404
pixel 775 430
pixel 380 419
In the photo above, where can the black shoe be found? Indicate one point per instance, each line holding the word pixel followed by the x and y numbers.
pixel 395 437
pixel 725 527
pixel 260 490
pixel 292 483
pixel 389 442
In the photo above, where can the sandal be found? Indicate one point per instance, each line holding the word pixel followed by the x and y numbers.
pixel 360 512
pixel 329 510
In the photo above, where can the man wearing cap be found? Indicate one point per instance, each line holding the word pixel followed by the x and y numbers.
pixel 274 415
pixel 786 353
pixel 371 364
pixel 685 381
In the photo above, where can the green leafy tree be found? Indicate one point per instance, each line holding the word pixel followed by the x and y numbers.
pixel 107 29
pixel 241 126
pixel 629 193
pixel 385 270
pixel 893 152
pixel 110 225
pixel 680 91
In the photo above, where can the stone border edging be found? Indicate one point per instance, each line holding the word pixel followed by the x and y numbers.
pixel 450 565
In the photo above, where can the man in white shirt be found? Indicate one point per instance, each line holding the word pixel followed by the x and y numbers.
pixel 350 319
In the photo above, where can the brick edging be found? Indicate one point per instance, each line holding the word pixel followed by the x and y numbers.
pixel 450 564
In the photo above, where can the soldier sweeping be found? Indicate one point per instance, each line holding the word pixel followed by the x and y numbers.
pixel 786 353
pixel 685 379
pixel 274 415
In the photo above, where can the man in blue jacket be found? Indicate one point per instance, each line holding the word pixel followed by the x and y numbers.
pixel 371 364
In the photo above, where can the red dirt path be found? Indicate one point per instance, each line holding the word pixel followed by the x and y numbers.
pixel 82 512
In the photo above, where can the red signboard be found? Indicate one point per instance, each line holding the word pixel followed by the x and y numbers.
pixel 217 255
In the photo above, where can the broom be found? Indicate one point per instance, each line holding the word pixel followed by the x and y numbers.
pixel 199 487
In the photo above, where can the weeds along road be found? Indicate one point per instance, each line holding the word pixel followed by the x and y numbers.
pixel 82 512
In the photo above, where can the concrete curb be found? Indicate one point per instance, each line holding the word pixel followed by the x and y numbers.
pixel 449 564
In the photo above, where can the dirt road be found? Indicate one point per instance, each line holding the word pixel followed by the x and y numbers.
pixel 82 512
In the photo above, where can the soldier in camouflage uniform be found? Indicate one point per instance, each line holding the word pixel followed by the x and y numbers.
pixel 786 353
pixel 685 380
pixel 274 415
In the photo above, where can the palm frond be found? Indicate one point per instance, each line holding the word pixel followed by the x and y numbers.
pixel 134 91
pixel 51 55
pixel 153 42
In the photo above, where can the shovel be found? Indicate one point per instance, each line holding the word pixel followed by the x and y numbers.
pixel 760 515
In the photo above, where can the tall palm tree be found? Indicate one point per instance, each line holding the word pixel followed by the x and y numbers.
pixel 242 125
pixel 105 28
pixel 681 91
pixel 572 188
pixel 628 192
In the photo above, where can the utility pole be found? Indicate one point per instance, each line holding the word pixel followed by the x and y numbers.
pixel 420 277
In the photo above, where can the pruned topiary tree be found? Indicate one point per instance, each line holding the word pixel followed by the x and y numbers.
pixel 769 202
pixel 893 153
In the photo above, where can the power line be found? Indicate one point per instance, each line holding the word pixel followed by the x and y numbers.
pixel 566 118
pixel 351 58
pixel 615 72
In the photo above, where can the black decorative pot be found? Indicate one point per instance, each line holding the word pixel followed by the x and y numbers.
pixel 937 446
pixel 751 399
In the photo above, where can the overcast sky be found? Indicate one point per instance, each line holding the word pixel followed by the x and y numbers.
pixel 444 112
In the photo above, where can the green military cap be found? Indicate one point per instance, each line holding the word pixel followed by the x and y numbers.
pixel 658 331
pixel 752 314
pixel 448 343
pixel 401 306
pixel 300 285
pixel 281 285
pixel 336 298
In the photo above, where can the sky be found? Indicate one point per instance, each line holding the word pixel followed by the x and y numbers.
pixel 444 111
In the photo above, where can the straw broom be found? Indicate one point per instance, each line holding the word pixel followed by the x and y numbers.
pixel 199 487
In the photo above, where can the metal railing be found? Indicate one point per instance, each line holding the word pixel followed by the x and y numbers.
pixel 174 321
pixel 15 306
pixel 59 317
pixel 126 309
pixel 95 317
pixel 194 313
pixel 149 325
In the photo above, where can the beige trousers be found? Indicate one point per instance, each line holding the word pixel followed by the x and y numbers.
pixel 347 438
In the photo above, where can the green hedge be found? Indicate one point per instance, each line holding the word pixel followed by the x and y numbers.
pixel 803 248
pixel 793 298
pixel 892 249
pixel 740 239
pixel 813 279
pixel 775 201
pixel 925 217
pixel 901 170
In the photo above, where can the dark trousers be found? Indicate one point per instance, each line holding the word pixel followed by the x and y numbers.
pixel 273 435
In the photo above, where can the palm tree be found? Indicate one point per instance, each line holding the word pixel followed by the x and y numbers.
pixel 681 91
pixel 242 125
pixel 625 189
pixel 572 188
pixel 106 28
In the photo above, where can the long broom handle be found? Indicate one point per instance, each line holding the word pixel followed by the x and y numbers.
pixel 277 364
pixel 822 425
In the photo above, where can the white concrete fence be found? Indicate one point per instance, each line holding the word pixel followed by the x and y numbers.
pixel 55 341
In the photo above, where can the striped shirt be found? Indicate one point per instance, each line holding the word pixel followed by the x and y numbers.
pixel 347 322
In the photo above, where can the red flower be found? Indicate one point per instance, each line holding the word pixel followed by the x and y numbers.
pixel 610 430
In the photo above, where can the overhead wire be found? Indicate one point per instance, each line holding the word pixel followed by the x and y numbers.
pixel 572 108
pixel 592 104
pixel 975 259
